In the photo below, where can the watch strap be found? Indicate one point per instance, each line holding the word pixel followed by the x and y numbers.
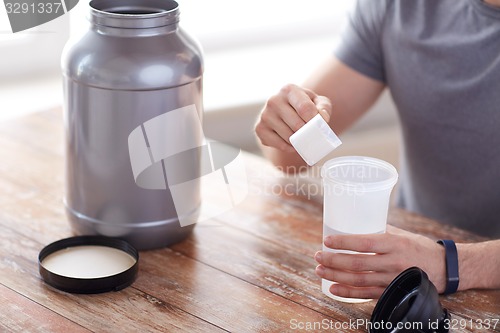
pixel 451 256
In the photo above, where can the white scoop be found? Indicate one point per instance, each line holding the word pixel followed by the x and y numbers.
pixel 314 140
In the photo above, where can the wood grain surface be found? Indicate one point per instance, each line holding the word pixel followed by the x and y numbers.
pixel 248 270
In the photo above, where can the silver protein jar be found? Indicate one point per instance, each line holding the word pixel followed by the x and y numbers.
pixel 133 100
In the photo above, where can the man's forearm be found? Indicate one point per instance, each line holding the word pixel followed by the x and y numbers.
pixel 479 265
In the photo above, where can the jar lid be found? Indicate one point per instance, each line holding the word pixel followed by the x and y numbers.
pixel 89 264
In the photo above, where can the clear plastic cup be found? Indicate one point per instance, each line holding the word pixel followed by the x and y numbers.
pixel 357 190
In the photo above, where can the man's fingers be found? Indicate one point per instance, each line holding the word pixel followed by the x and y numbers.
pixel 324 107
pixel 323 104
pixel 287 112
pixel 355 279
pixel 276 123
pixel 302 101
pixel 354 292
pixel 371 243
pixel 291 118
pixel 354 262
pixel 270 138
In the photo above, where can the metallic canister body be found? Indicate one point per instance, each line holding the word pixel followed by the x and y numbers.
pixel 134 65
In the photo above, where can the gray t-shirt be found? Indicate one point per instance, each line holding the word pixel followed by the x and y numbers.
pixel 441 62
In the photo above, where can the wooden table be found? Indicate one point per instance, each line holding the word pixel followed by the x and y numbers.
pixel 253 272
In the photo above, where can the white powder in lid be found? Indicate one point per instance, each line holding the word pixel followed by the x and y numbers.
pixel 88 261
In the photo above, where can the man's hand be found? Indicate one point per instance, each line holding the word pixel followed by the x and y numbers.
pixel 284 113
pixel 366 276
pixel 288 111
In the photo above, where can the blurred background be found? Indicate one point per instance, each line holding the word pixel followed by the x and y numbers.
pixel 251 50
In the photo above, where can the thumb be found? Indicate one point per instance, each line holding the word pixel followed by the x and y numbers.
pixel 324 107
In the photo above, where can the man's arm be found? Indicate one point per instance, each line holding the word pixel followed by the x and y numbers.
pixel 352 94
pixel 366 276
pixel 479 265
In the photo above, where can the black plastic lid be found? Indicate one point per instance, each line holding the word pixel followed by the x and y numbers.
pixel 88 284
pixel 410 304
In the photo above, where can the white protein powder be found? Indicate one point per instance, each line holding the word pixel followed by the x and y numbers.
pixel 88 261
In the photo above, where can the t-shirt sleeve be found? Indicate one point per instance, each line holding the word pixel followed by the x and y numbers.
pixel 360 46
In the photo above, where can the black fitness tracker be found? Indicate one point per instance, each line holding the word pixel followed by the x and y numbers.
pixel 452 279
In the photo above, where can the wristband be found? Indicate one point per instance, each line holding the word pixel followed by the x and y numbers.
pixel 452 279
